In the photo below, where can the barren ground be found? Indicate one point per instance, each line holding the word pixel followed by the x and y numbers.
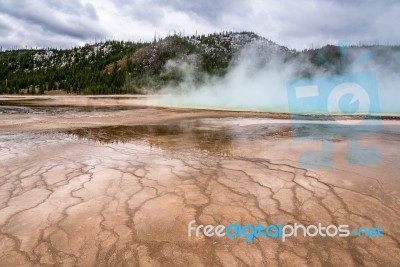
pixel 112 182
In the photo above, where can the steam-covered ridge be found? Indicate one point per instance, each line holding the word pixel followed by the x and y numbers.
pixel 222 70
pixel 121 67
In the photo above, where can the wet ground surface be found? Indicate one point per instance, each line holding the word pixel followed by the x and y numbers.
pixel 41 106
pixel 120 188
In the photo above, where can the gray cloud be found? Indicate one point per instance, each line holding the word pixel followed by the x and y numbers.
pixel 71 18
pixel 297 24
pixel 142 10
pixel 210 10
pixel 5 28
pixel 353 20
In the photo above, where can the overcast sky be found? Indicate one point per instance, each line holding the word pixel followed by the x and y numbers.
pixel 294 23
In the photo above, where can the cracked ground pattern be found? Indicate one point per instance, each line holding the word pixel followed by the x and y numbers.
pixel 123 196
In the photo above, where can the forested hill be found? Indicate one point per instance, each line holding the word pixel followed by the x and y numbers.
pixel 114 67
pixel 118 66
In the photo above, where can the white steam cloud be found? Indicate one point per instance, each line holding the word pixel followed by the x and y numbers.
pixel 258 84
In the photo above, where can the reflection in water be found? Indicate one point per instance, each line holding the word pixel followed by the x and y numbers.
pixel 219 141
pixel 211 136
pixel 124 134
pixel 168 137
pixel 214 136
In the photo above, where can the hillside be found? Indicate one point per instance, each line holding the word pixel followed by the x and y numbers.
pixel 114 67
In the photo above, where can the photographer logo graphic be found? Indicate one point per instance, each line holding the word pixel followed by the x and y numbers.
pixel 349 99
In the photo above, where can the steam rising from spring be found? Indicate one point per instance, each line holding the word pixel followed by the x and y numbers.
pixel 257 83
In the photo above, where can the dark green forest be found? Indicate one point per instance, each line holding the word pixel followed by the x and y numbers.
pixel 118 67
